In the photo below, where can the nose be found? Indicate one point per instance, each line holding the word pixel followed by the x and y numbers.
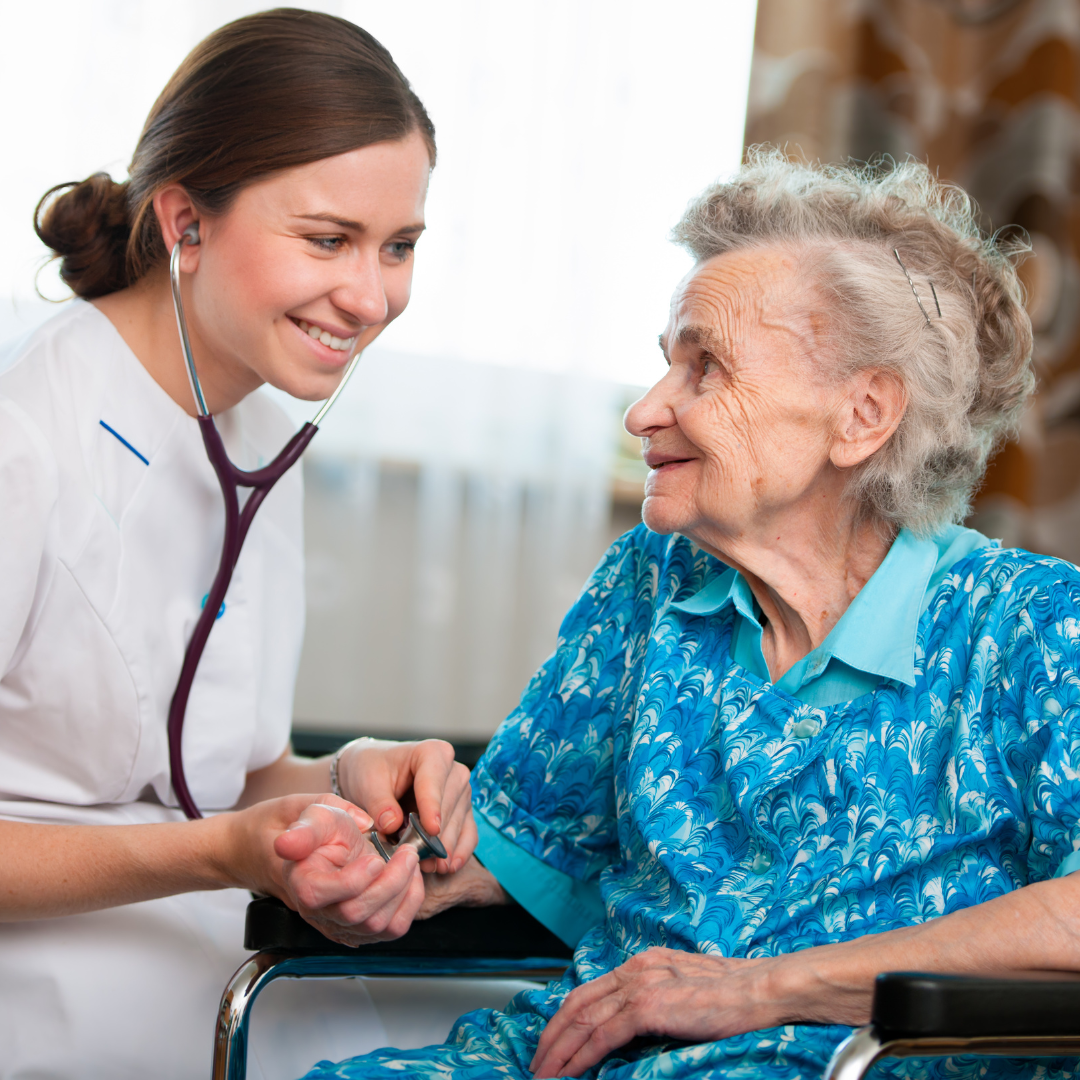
pixel 650 413
pixel 361 294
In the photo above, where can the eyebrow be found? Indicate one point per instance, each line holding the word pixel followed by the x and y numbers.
pixel 355 226
pixel 704 337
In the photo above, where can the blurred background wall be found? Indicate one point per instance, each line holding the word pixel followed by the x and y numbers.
pixel 988 92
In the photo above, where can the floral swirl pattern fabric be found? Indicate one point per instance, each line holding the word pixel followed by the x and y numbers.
pixel 723 816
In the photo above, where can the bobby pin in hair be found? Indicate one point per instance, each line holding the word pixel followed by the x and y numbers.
pixel 915 292
pixel 937 303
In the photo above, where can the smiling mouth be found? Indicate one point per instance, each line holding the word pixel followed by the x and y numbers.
pixel 664 464
pixel 331 341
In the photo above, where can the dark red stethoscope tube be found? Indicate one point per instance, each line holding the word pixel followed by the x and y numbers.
pixel 237 523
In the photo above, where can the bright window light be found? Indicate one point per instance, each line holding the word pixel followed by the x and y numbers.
pixel 571 134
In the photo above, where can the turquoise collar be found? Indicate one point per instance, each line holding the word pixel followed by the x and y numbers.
pixel 876 635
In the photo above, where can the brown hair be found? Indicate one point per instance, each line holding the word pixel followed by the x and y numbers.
pixel 266 92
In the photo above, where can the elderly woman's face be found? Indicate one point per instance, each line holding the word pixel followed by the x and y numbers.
pixel 741 426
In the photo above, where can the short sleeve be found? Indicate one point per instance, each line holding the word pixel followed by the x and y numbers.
pixel 1041 699
pixel 546 781
pixel 28 496
pixel 568 907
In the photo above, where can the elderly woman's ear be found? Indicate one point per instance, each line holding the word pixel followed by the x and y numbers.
pixel 869 413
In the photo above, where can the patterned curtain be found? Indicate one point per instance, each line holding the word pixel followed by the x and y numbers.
pixel 988 92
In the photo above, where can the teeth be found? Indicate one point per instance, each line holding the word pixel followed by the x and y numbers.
pixel 328 339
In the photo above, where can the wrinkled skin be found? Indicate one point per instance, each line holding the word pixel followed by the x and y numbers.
pixel 337 880
pixel 742 424
pixel 683 995
pixel 472 886
pixel 658 992
pixel 334 876
pixel 750 437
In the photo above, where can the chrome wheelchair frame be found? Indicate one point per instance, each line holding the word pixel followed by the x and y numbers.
pixel 495 942
pixel 916 1014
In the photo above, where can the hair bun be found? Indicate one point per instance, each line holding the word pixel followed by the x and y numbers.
pixel 86 226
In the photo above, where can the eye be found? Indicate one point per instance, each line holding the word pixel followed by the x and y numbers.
pixel 327 243
pixel 400 249
pixel 709 366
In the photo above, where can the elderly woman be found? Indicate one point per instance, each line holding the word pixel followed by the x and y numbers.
pixel 802 727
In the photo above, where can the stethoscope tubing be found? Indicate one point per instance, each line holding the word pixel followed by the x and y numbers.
pixel 237 523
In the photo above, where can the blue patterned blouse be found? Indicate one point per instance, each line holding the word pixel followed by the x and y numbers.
pixel 720 814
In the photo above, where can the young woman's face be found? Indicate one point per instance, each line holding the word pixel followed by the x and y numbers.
pixel 307 267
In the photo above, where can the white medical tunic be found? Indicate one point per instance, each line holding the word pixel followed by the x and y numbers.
pixel 111 527
pixel 112 523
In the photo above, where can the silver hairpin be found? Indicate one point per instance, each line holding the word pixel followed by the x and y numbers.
pixel 915 292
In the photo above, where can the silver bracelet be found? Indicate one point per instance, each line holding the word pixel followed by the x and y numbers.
pixel 335 783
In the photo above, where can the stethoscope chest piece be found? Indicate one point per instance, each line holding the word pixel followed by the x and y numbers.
pixel 414 836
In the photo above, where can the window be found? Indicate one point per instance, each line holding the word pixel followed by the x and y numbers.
pixel 461 491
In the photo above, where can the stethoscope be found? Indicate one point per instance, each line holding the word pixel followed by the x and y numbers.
pixel 237 524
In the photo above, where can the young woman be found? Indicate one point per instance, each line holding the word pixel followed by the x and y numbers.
pixel 292 148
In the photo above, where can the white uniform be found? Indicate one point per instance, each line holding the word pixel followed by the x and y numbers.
pixel 112 524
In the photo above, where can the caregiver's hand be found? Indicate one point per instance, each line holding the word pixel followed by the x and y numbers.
pixel 375 774
pixel 658 992
pixel 312 852
pixel 337 880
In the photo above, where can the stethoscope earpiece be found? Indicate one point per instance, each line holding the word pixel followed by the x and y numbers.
pixel 191 233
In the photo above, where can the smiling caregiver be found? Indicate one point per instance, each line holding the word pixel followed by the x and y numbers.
pixel 290 154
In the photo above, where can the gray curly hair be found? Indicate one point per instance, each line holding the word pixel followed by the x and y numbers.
pixel 967 373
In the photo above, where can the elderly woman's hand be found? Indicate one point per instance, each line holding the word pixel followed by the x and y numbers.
pixel 472 886
pixel 335 878
pixel 376 774
pixel 662 992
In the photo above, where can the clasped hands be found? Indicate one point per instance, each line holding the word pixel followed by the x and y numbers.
pixel 319 858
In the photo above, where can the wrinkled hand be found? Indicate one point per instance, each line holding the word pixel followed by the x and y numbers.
pixel 658 992
pixel 471 886
pixel 375 774
pixel 334 877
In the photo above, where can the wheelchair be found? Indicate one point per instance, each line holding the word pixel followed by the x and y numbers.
pixel 503 942
pixel 915 1014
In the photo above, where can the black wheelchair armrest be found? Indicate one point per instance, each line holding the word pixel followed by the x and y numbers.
pixel 503 932
pixel 917 1005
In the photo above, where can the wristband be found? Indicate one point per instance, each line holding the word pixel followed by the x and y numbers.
pixel 335 783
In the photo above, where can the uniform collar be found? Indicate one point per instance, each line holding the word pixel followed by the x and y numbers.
pixel 875 635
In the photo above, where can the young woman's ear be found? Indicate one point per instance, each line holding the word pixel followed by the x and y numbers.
pixel 872 412
pixel 177 215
